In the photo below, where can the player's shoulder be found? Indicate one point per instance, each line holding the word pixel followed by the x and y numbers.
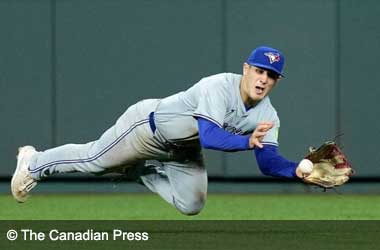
pixel 222 82
pixel 266 103
pixel 222 78
pixel 267 108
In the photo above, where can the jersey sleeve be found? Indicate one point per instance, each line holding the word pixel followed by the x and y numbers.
pixel 213 101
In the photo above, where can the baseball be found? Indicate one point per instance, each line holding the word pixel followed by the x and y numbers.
pixel 306 166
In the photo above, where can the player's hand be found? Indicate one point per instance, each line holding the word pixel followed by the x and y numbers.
pixel 259 133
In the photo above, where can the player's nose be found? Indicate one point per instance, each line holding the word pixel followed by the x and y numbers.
pixel 264 78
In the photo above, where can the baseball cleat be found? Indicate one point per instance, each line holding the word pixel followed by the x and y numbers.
pixel 22 181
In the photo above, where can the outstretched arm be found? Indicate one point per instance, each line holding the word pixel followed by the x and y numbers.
pixel 272 163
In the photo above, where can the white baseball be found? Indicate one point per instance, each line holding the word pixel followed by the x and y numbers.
pixel 306 166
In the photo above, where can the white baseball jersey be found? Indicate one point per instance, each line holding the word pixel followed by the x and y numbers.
pixel 131 140
pixel 215 98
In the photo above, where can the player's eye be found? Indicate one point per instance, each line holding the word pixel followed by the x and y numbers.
pixel 273 75
pixel 259 71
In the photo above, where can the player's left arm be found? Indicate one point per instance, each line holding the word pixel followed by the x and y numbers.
pixel 269 160
pixel 267 154
pixel 272 163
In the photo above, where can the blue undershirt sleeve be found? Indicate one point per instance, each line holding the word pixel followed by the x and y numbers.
pixel 270 162
pixel 211 136
pixel 273 164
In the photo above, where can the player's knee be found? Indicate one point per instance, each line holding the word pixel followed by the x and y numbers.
pixel 191 207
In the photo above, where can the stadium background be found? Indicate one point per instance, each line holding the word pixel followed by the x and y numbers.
pixel 69 68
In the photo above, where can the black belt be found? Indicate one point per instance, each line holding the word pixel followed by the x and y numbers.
pixel 151 122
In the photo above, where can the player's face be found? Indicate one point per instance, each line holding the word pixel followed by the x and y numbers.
pixel 256 83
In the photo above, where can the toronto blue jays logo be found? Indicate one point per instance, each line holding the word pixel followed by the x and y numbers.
pixel 232 129
pixel 273 57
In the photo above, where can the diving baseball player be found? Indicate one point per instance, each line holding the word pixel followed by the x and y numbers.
pixel 162 139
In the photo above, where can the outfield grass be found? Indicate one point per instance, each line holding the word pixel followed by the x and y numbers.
pixel 218 207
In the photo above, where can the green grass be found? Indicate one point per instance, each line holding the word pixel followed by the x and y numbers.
pixel 218 207
pixel 188 235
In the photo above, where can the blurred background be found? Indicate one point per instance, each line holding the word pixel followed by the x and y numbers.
pixel 69 69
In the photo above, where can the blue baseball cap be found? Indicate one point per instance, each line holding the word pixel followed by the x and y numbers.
pixel 267 58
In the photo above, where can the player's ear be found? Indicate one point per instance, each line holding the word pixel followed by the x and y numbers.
pixel 245 68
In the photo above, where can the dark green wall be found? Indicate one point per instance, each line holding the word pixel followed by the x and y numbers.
pixel 68 69
pixel 25 78
pixel 360 83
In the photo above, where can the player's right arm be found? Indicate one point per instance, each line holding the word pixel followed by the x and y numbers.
pixel 211 136
pixel 258 135
pixel 269 160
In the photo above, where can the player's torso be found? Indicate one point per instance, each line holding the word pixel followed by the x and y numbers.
pixel 175 118
pixel 239 121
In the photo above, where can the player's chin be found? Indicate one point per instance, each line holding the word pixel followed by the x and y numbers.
pixel 258 97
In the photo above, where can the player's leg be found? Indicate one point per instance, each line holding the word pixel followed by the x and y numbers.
pixel 182 184
pixel 128 141
pixel 114 148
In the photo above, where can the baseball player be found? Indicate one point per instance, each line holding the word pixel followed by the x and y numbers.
pixel 161 140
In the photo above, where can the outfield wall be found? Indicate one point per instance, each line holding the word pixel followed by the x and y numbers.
pixel 69 68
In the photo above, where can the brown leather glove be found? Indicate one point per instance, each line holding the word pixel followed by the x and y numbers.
pixel 331 167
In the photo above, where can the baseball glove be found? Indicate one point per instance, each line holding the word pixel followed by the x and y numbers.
pixel 331 167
